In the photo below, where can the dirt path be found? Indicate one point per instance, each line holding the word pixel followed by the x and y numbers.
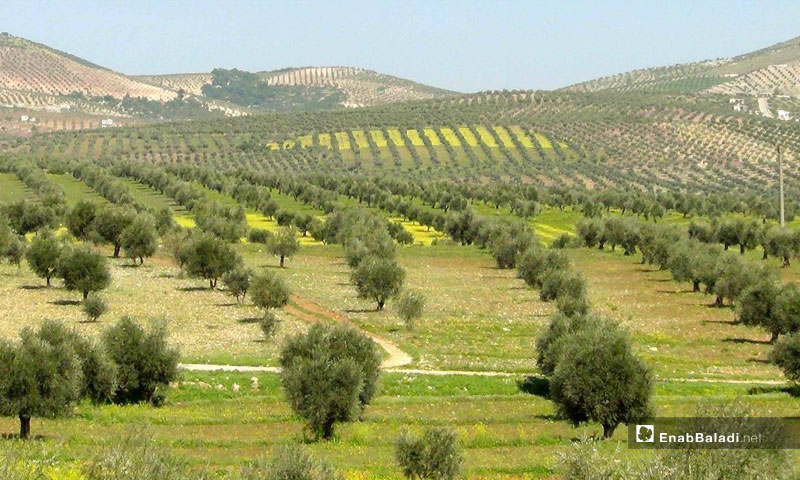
pixel 764 107
pixel 198 367
pixel 397 357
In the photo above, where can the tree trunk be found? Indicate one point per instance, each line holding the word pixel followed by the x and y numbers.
pixel 48 282
pixel 116 250
pixel 726 247
pixel 718 302
pixel 24 426
pixel 786 261
pixel 282 258
pixel 741 249
pixel 764 256
pixel 85 294
pixel 774 337
pixel 141 260
pixel 695 285
pixel 327 430
pixel 608 430
pixel 380 304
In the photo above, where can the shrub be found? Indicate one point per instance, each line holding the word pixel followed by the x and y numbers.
pixel 258 235
pixel 269 324
pixel 290 464
pixel 410 307
pixel 94 307
pixel 145 361
pixel 434 455
pixel 597 377
pixel 562 241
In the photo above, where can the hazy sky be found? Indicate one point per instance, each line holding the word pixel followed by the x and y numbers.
pixel 462 45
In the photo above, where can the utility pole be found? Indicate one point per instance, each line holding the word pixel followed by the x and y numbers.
pixel 780 181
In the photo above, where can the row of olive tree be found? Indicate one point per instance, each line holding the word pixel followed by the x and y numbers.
pixel 51 368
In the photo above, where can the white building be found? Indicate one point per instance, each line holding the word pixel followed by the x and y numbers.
pixel 107 122
pixel 784 115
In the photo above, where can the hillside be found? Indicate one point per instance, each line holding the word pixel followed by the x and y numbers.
pixel 357 87
pixel 43 89
pixel 30 67
pixel 654 142
pixel 768 71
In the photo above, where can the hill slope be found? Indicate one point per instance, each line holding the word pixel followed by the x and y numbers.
pixel 26 66
pixel 771 70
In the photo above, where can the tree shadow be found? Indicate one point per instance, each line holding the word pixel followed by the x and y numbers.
pixel 661 280
pixel 361 310
pixel 192 289
pixel 718 307
pixel 758 360
pixel 128 265
pixel 675 292
pixel 232 304
pixel 747 340
pixel 344 284
pixel 33 287
pixel 249 320
pixel 535 385
pixel 15 436
pixel 65 303
pixel 793 390
pixel 722 322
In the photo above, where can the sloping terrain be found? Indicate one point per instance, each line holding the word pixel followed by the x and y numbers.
pixel 772 70
pixel 32 67
pixel 361 87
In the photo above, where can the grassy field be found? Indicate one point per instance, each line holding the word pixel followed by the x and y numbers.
pixel 12 189
pixel 75 190
pixel 479 319
pixel 506 434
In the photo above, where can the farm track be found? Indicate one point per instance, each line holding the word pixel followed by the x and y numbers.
pixel 202 367
pixel 309 311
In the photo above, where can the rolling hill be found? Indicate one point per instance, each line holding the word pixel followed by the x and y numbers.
pixel 768 71
pixel 42 88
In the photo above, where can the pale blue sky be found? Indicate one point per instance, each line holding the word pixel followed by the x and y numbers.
pixel 462 45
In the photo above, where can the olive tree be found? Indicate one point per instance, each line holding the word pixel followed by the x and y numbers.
pixel 597 377
pixel 284 244
pixel 44 254
pixel 268 291
pixel 329 375
pixel 139 239
pixel 410 307
pixel 84 270
pixel 378 279
pixel 435 455
pixel 146 362
pixel 38 379
pixel 109 225
pixel 209 258
pixel 81 218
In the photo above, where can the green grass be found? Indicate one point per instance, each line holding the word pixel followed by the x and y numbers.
pixel 12 189
pixel 75 190
pixel 505 434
